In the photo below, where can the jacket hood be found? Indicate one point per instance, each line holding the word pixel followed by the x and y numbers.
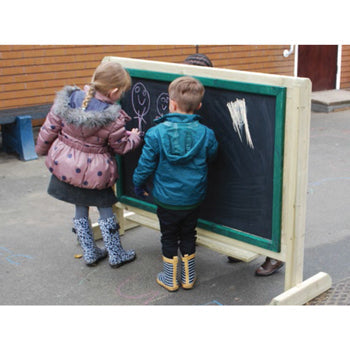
pixel 181 138
pixel 80 118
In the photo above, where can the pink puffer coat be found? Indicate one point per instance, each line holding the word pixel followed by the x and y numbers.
pixel 80 145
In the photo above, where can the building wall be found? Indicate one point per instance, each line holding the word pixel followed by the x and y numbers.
pixel 31 74
pixel 345 68
pixel 254 58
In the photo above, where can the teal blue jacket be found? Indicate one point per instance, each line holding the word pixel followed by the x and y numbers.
pixel 177 151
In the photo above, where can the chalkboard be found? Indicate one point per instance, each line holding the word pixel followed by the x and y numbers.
pixel 245 181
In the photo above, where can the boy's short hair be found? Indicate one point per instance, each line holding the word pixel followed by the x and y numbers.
pixel 188 92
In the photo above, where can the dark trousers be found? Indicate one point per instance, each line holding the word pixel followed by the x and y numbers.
pixel 178 229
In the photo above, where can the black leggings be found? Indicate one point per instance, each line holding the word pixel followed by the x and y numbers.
pixel 178 228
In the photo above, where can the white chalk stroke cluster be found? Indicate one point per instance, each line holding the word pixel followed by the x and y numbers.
pixel 238 112
pixel 141 103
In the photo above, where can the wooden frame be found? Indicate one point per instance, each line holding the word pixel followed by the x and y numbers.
pixel 295 171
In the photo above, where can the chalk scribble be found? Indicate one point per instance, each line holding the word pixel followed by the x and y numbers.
pixel 238 112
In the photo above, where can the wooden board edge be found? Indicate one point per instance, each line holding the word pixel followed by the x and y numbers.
pixel 304 291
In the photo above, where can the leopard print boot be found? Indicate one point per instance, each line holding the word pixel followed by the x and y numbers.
pixel 91 253
pixel 117 255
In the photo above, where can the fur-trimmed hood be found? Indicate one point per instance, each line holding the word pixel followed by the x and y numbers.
pixel 79 117
pixel 80 145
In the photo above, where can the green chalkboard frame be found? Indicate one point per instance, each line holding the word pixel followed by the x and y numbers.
pixel 273 244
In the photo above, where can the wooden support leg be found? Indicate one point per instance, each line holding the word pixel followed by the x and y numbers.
pixel 304 291
pixel 296 170
pixel 96 231
pixel 121 216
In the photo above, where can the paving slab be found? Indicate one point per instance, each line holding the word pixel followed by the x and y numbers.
pixel 330 100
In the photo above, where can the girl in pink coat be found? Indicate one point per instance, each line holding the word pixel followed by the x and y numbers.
pixel 80 136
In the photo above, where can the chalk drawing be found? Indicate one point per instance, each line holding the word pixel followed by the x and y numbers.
pixel 214 302
pixel 87 276
pixel 10 257
pixel 330 179
pixel 238 112
pixel 162 103
pixel 145 298
pixel 141 102
pixel 326 180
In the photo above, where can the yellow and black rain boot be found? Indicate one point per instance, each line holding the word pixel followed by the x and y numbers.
pixel 188 273
pixel 167 278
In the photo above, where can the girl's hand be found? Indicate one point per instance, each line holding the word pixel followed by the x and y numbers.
pixel 136 131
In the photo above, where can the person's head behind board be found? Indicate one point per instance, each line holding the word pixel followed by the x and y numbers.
pixel 110 79
pixel 198 59
pixel 185 94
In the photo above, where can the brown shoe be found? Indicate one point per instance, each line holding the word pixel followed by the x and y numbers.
pixel 269 267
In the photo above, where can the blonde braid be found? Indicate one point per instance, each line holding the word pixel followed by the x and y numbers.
pixel 88 96
pixel 107 77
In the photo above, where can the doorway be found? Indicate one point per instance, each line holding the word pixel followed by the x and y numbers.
pixel 318 63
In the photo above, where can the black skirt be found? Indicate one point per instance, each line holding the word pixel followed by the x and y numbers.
pixel 81 196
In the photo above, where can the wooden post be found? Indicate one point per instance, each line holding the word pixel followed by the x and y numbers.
pixel 295 180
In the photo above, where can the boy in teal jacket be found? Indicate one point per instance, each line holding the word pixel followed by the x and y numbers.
pixel 177 151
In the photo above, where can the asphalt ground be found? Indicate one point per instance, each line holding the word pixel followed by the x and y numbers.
pixel 38 266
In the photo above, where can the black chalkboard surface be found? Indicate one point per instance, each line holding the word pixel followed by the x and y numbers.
pixel 245 181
